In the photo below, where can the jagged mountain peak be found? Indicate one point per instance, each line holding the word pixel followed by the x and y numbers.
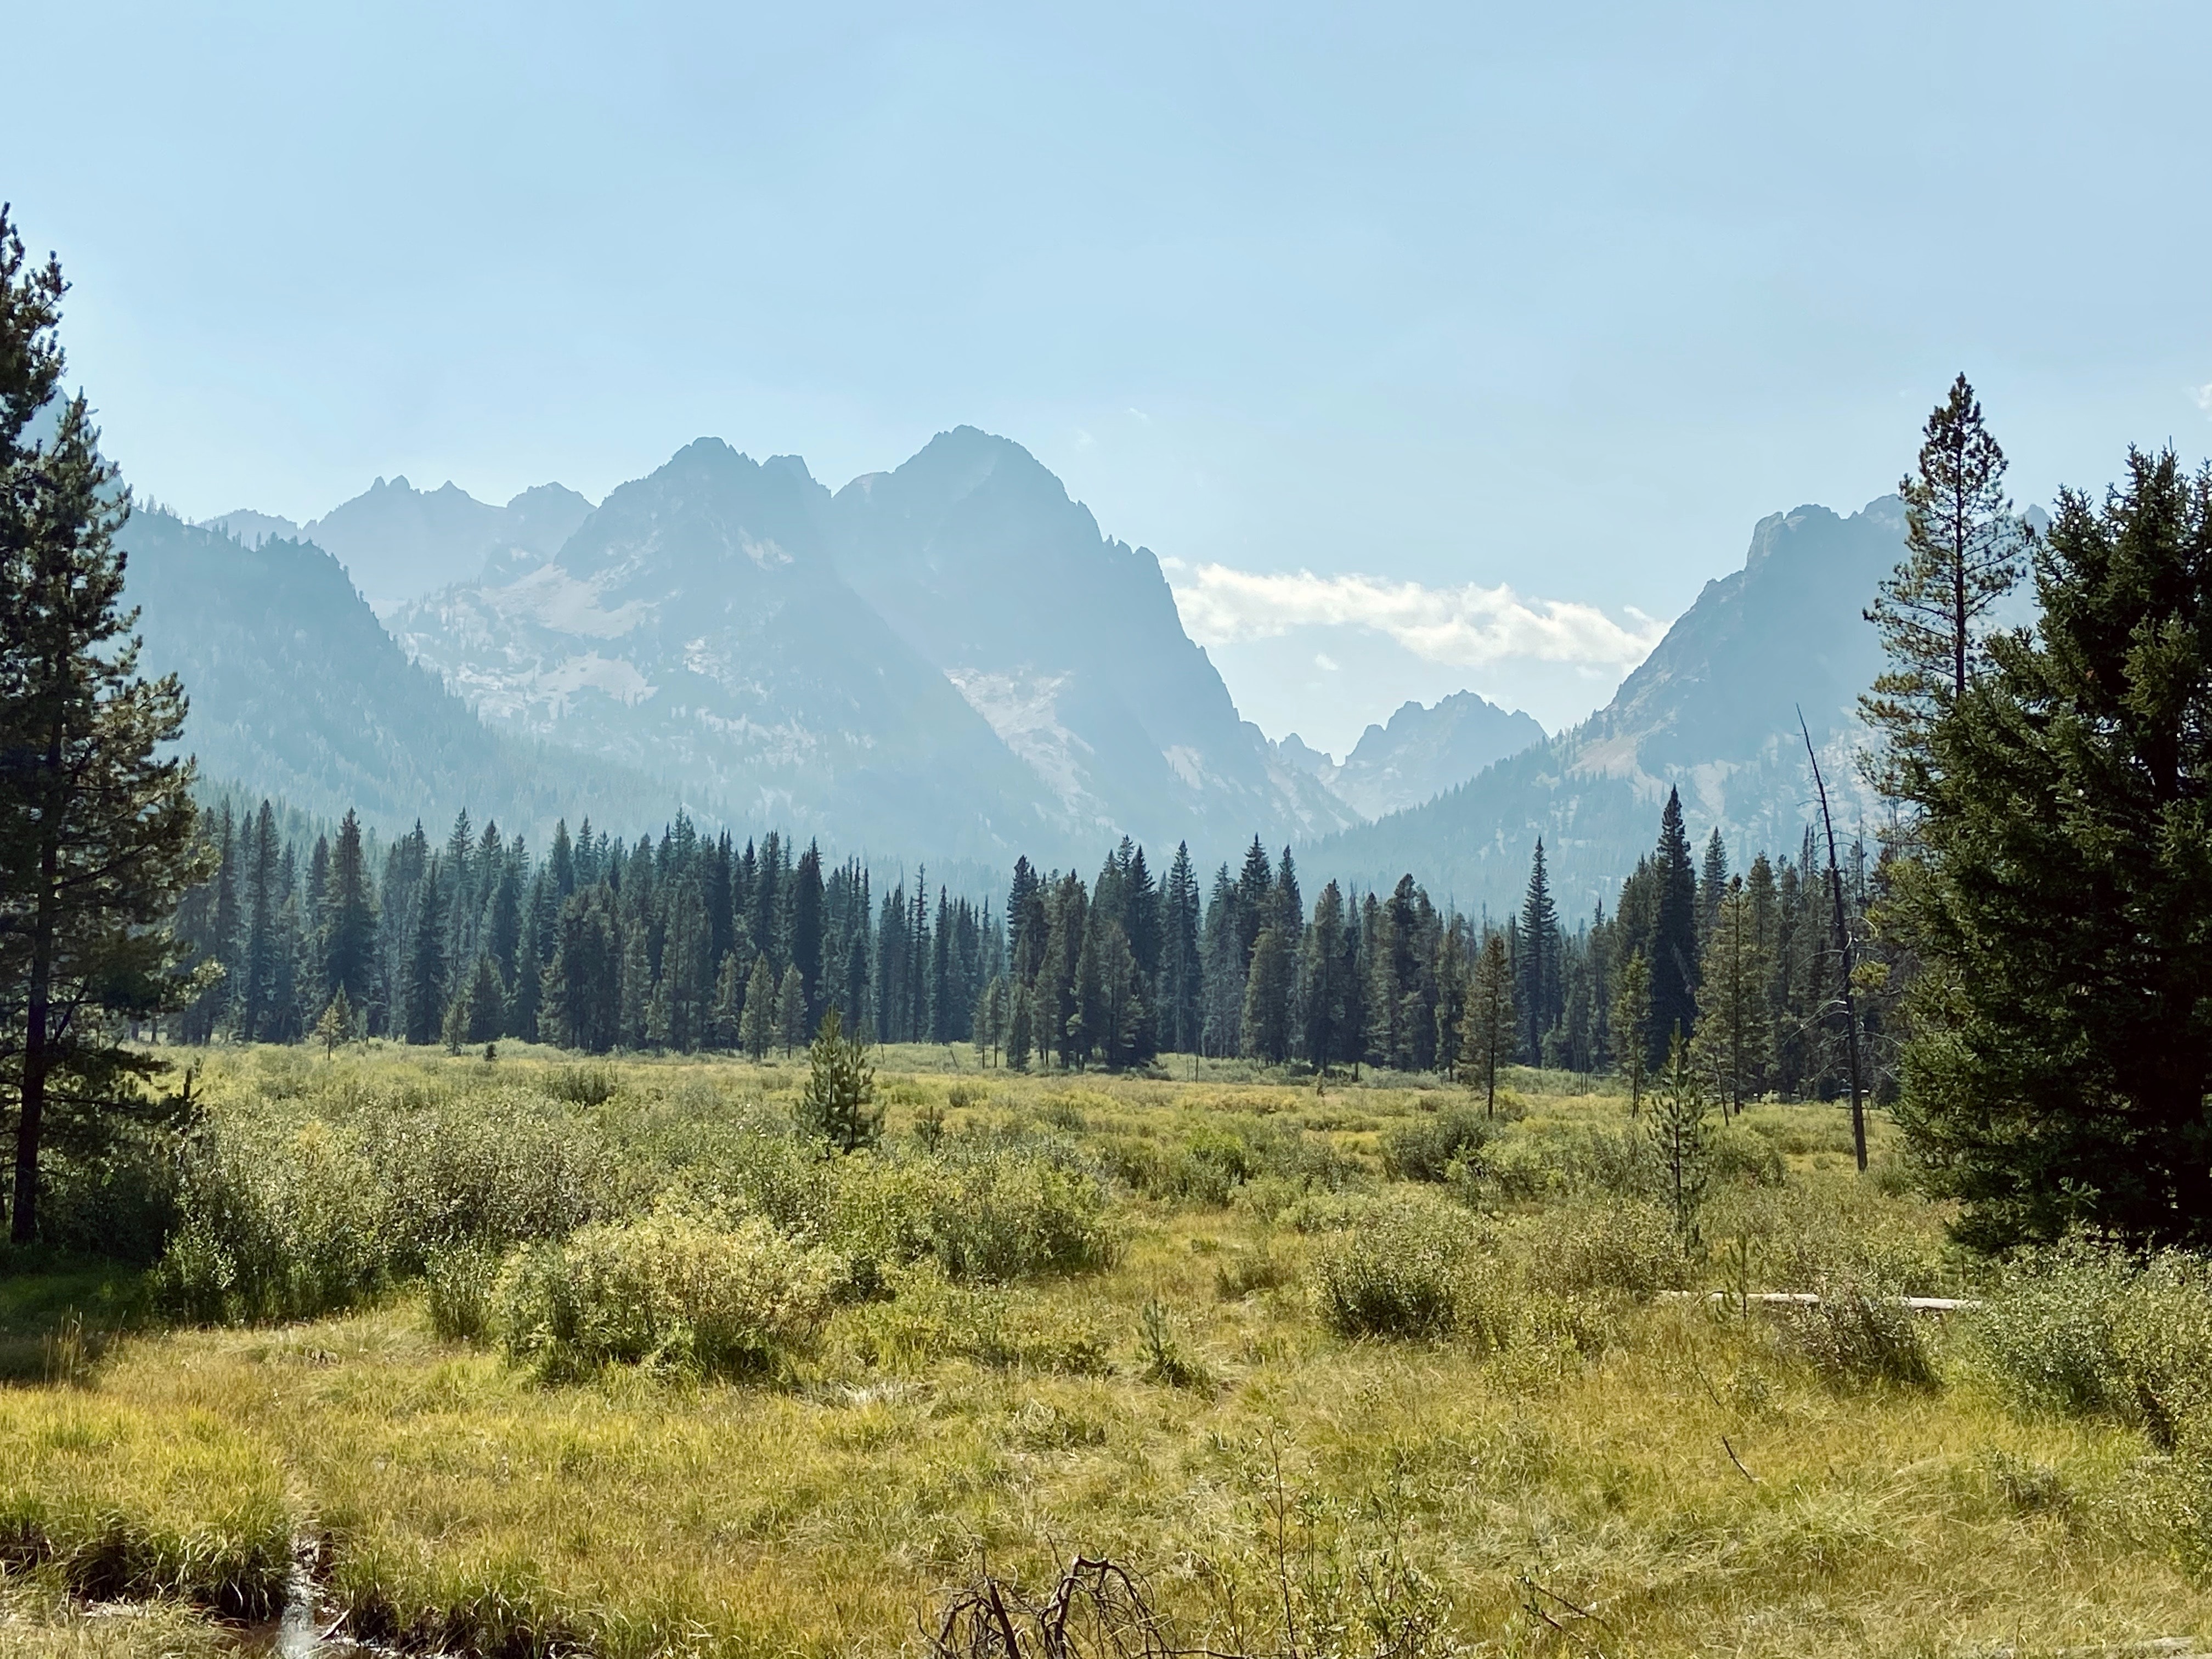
pixel 707 506
pixel 1424 751
pixel 1712 712
pixel 959 618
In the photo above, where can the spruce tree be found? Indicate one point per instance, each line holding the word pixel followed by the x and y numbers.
pixel 807 932
pixel 1180 988
pixel 1712 884
pixel 1267 1015
pixel 1324 984
pixel 1631 1024
pixel 838 1105
pixel 97 825
pixel 725 1021
pixel 1489 1030
pixel 1681 1137
pixel 1672 949
pixel 1730 1047
pixel 1538 961
pixel 791 1011
pixel 349 951
pixel 487 1000
pixel 756 1023
pixel 2060 896
pixel 336 1024
pixel 1021 1026
pixel 425 967
pixel 1963 548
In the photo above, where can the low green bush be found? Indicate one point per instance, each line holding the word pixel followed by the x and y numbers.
pixel 1736 1153
pixel 668 1289
pixel 1401 1272
pixel 1005 1213
pixel 1630 1248
pixel 1427 1148
pixel 275 1223
pixel 459 1286
pixel 925 1316
pixel 2090 1330
pixel 1854 1335
pixel 588 1085
pixel 281 1219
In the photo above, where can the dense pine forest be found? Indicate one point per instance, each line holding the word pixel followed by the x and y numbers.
pixel 692 942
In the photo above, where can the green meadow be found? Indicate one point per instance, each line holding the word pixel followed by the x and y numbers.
pixel 528 1356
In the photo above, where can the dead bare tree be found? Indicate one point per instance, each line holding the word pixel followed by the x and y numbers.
pixel 1843 946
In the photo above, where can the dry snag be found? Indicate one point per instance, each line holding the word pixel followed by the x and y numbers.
pixel 1096 1610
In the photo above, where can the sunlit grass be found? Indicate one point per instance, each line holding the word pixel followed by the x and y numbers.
pixel 1682 1475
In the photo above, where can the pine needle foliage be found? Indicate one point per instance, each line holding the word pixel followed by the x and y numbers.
pixel 1965 549
pixel 2060 893
pixel 839 1104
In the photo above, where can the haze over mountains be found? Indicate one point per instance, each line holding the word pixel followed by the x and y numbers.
pixel 1713 711
pixel 1421 753
pixel 398 542
pixel 946 660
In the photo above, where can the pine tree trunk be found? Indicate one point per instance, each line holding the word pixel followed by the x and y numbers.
pixel 30 1118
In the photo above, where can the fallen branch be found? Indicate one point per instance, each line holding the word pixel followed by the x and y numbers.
pixel 1930 1305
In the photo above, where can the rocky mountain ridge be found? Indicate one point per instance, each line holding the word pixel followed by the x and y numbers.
pixel 1713 712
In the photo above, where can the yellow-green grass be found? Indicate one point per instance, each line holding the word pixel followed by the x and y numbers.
pixel 1682 1475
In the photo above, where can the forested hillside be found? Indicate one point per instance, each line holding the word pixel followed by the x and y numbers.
pixel 298 692
pixel 690 942
pixel 1713 711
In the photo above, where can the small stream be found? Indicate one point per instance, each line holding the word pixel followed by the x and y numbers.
pixel 298 1632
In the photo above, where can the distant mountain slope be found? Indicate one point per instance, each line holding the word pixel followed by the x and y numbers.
pixel 1069 644
pixel 253 528
pixel 399 542
pixel 949 658
pixel 1421 753
pixel 696 624
pixel 297 691
pixel 1713 711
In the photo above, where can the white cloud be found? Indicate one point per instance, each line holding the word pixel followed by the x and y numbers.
pixel 1469 627
pixel 1323 661
pixel 2202 396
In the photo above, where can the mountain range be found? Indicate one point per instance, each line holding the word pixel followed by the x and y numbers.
pixel 1422 752
pixel 1713 712
pixel 950 661
pixel 297 691
pixel 396 541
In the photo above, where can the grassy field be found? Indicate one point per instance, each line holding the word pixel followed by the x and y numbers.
pixel 1343 1372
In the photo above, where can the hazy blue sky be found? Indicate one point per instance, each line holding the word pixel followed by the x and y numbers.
pixel 1556 298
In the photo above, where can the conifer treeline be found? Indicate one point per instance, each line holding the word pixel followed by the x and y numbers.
pixel 691 942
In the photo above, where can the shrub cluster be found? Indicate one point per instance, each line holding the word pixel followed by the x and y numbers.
pixel 2090 1330
pixel 1403 1271
pixel 1855 1334
pixel 289 1220
pixel 671 1290
pixel 1429 1147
